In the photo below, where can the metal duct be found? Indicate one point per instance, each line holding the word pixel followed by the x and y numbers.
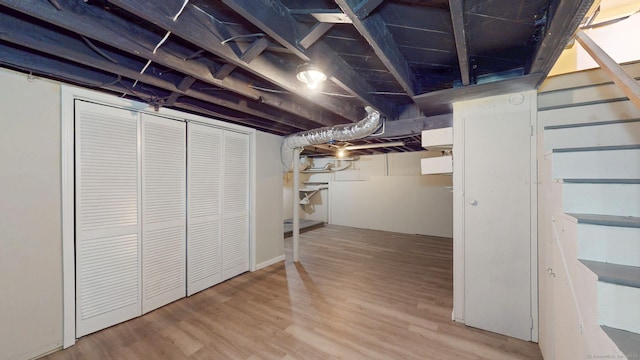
pixel 346 132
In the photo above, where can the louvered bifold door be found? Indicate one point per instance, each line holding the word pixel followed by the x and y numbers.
pixel 204 189
pixel 235 205
pixel 107 237
pixel 163 211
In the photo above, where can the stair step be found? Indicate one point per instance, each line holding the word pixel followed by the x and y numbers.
pixel 602 133
pixel 628 342
pixel 597 148
pixel 601 198
pixel 609 244
pixel 601 181
pixel 615 274
pixel 607 220
pixel 608 162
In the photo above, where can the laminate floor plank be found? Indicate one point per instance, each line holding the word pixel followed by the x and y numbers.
pixel 355 294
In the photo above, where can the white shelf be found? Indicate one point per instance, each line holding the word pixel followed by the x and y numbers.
pixel 437 139
pixel 437 165
pixel 307 193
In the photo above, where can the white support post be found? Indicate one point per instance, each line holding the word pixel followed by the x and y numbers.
pixel 296 205
pixel 625 82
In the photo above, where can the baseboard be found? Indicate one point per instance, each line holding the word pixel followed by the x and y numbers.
pixel 269 262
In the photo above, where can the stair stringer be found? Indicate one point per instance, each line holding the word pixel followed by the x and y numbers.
pixel 572 287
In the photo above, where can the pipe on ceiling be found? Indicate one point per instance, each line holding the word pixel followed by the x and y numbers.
pixel 346 132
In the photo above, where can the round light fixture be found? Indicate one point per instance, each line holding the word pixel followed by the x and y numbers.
pixel 311 75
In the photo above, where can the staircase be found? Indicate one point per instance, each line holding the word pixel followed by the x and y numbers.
pixel 598 167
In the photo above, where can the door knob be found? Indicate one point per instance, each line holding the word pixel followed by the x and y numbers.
pixel 473 202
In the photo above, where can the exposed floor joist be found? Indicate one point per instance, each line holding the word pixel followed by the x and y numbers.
pixel 457 19
pixel 273 18
pixel 203 30
pixel 114 31
pixel 373 29
pixel 46 40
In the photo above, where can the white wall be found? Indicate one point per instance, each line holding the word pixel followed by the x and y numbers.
pixel 621 48
pixel 287 195
pixel 30 217
pixel 31 308
pixel 385 192
pixel 269 227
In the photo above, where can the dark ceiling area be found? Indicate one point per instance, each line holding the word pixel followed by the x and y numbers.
pixel 236 60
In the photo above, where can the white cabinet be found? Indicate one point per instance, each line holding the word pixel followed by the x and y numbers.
pixel 204 253
pixel 163 211
pixel 107 221
pixel 140 243
pixel 235 205
pixel 218 188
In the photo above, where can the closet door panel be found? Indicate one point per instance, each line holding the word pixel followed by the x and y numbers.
pixel 107 238
pixel 204 267
pixel 235 228
pixel 163 211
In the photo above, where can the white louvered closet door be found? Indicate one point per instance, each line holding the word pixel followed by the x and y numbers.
pixel 204 189
pixel 107 213
pixel 163 211
pixel 235 205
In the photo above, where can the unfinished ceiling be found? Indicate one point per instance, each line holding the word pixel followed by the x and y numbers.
pixel 236 60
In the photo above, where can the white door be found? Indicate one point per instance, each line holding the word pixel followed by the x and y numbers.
pixel 163 211
pixel 497 219
pixel 107 213
pixel 204 189
pixel 235 205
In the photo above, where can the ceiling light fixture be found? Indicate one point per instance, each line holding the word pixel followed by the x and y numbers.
pixel 311 75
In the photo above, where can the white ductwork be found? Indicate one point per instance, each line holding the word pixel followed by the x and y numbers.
pixel 346 132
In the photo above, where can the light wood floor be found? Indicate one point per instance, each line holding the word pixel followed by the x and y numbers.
pixel 356 294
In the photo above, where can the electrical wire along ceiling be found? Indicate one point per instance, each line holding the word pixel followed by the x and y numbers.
pixel 285 66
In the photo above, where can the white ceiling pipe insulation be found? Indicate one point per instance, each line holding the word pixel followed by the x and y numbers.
pixel 346 132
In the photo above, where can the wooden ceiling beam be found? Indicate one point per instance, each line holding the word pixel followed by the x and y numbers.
pixel 186 83
pixel 564 21
pixel 456 7
pixel 365 7
pixel 45 40
pixel 202 29
pixel 273 17
pixel 375 31
pixel 314 34
pixel 256 48
pixel 102 26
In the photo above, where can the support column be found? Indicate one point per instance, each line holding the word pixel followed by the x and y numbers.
pixel 296 204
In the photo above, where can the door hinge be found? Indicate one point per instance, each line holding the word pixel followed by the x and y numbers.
pixel 531 323
pixel 531 130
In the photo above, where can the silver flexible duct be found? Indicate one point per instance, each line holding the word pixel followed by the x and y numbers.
pixel 346 132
